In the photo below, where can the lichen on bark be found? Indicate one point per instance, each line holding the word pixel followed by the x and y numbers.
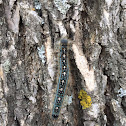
pixel 95 31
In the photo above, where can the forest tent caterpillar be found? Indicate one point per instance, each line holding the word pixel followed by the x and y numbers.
pixel 63 79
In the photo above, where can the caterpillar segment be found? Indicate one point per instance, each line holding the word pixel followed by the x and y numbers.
pixel 63 79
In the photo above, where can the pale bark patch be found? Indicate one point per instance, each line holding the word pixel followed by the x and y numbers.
pixel 83 66
pixel 50 61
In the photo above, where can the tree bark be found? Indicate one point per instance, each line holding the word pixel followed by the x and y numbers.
pixel 30 36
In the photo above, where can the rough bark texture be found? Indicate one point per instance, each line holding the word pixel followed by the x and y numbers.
pixel 29 68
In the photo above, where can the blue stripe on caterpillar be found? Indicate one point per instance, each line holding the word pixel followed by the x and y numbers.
pixel 63 79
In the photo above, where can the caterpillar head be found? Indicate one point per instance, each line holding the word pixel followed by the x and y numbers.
pixel 64 41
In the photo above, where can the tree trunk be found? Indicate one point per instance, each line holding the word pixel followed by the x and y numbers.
pixel 30 42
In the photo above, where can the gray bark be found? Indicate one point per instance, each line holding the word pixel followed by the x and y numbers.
pixel 29 61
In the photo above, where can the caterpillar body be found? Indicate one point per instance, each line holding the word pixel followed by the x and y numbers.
pixel 63 79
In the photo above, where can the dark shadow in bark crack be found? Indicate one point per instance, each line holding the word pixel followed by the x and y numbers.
pixel 109 114
pixel 76 79
pixel 123 104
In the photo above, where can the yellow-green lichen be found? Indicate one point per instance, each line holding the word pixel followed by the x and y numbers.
pixel 85 100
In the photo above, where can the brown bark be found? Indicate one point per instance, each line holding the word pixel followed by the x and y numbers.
pixel 29 52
